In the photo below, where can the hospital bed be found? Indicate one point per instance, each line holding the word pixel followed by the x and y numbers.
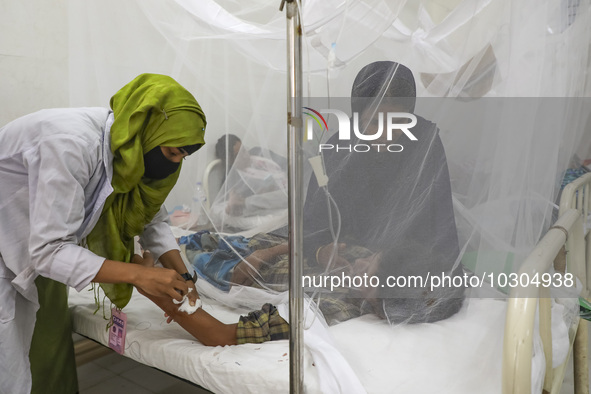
pixel 449 356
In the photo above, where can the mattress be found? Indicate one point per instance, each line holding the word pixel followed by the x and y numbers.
pixel 461 354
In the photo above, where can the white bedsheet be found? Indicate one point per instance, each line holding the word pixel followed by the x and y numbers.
pixel 452 356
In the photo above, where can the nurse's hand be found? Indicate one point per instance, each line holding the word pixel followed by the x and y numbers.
pixel 160 282
pixel 173 260
pixel 147 260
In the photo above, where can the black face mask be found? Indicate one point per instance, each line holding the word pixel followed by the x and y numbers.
pixel 157 166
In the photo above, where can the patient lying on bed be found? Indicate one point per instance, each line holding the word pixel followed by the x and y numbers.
pixel 385 217
pixel 262 262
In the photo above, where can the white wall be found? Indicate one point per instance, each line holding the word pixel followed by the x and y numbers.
pixel 33 56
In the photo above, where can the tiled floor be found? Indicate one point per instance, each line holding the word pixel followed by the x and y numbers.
pixel 116 374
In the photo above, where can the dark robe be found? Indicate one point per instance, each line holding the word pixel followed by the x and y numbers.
pixel 399 204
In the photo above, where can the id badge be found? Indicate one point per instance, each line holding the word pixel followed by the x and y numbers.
pixel 118 330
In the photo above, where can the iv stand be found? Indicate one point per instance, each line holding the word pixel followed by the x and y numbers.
pixel 295 196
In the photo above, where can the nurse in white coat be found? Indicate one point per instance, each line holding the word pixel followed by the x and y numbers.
pixel 76 185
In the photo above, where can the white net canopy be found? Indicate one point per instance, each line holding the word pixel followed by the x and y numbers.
pixel 440 130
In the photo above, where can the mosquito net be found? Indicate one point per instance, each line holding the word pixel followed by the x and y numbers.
pixel 437 134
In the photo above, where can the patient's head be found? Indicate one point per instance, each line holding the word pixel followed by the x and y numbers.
pixel 227 149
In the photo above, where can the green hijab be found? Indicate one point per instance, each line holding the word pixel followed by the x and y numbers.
pixel 152 110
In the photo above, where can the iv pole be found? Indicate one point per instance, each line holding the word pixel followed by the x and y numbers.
pixel 295 199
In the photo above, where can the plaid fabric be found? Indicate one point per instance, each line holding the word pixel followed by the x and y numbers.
pixel 273 274
pixel 354 252
pixel 265 241
pixel 262 326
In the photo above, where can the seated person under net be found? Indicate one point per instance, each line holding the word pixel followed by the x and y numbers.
pixel 396 204
pixel 382 215
pixel 254 188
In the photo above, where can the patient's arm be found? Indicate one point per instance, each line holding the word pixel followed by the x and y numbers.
pixel 206 328
pixel 247 269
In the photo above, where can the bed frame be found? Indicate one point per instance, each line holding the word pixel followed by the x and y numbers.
pixel 212 180
pixel 569 232
pixel 523 302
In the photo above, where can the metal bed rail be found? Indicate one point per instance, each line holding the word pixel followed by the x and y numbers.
pixel 523 303
pixel 576 195
pixel 574 208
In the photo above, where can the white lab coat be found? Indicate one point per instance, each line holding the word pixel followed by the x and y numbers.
pixel 55 174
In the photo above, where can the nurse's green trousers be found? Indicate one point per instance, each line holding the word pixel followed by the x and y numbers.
pixel 53 366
